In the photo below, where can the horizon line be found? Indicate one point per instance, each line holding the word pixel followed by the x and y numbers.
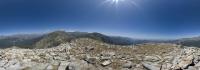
pixel 104 33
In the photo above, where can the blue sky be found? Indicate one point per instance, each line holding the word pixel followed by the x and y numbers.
pixel 150 19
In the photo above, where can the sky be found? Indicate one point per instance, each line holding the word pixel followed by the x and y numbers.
pixel 148 19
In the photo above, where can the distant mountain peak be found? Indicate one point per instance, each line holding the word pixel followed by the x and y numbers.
pixel 56 38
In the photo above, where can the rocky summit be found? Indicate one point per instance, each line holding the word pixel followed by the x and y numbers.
pixel 89 54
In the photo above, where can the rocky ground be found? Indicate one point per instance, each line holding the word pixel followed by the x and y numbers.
pixel 88 54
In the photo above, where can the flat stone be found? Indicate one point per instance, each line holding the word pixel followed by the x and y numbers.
pixel 16 66
pixel 198 64
pixel 63 65
pixel 106 63
pixel 151 58
pixel 38 66
pixel 2 63
pixel 150 66
pixel 192 68
pixel 50 67
pixel 2 69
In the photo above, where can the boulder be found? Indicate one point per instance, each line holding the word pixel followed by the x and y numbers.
pixel 185 62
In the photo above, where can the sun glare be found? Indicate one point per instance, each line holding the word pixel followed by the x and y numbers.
pixel 117 2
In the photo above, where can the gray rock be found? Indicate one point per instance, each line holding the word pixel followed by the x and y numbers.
pixel 80 65
pixel 192 68
pixel 60 58
pixel 150 66
pixel 50 67
pixel 166 66
pixel 198 64
pixel 106 63
pixel 125 69
pixel 2 63
pixel 2 69
pixel 184 62
pixel 151 58
pixel 127 65
pixel 91 60
pixel 16 66
pixel 36 66
pixel 63 65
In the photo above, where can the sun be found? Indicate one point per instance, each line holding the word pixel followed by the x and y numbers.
pixel 116 3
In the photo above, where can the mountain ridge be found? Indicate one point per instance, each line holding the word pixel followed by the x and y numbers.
pixel 58 37
pixel 52 39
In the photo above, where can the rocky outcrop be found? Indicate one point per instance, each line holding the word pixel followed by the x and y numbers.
pixel 188 59
pixel 86 54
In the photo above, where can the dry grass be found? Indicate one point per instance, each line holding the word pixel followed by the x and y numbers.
pixel 157 49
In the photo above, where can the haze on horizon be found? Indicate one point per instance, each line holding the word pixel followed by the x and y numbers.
pixel 150 19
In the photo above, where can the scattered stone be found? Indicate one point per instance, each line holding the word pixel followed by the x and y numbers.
pixel 150 66
pixel 127 65
pixel 91 60
pixel 80 65
pixel 106 63
pixel 151 58
pixel 100 57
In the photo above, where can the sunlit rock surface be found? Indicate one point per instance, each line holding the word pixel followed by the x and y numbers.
pixel 88 54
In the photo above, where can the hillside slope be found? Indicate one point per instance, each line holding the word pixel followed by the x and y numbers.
pixel 58 37
pixel 23 41
pixel 192 42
